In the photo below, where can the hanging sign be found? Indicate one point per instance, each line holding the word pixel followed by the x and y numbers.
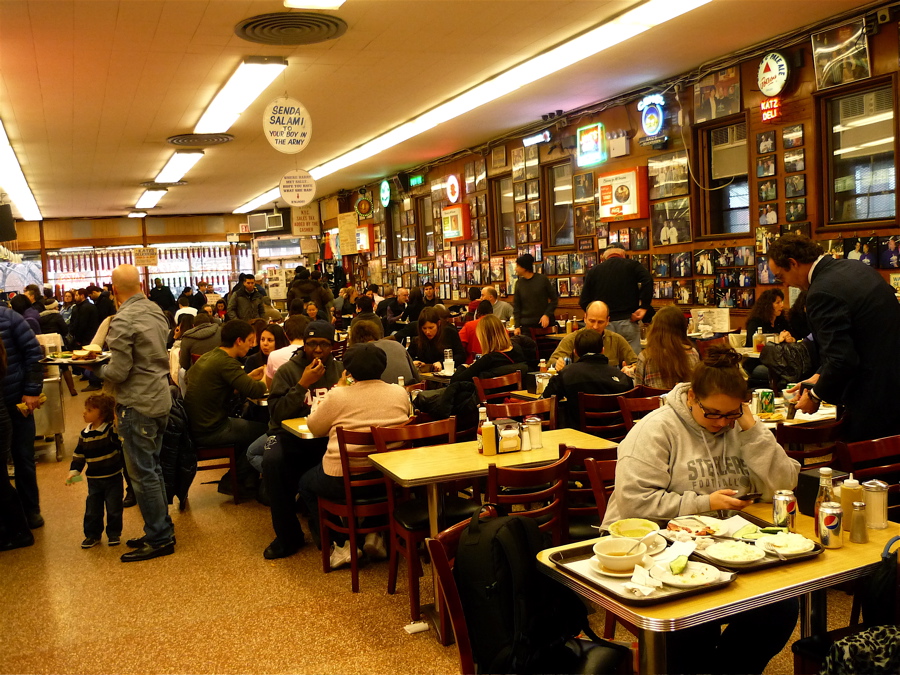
pixel 145 257
pixel 385 193
pixel 287 125
pixel 347 224
pixel 305 221
pixel 653 120
pixel 452 187
pixel 297 188
pixel 772 75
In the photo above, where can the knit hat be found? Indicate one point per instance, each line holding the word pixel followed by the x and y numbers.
pixel 365 361
pixel 319 329
pixel 51 305
pixel 526 262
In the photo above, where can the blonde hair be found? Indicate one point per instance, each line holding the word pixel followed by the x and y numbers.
pixel 492 335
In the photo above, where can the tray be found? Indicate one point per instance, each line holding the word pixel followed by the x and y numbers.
pixel 771 560
pixel 47 361
pixel 569 560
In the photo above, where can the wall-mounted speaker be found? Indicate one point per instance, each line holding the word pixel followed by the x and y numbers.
pixel 7 223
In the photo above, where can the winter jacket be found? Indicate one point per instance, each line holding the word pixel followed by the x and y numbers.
pixel 24 374
pixel 163 297
pixel 105 306
pixel 33 319
pixel 53 322
pixel 592 374
pixel 245 306
pixel 178 457
pixel 85 323
pixel 668 465
pixel 199 340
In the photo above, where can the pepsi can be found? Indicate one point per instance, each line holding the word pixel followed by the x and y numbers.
pixel 831 516
pixel 784 509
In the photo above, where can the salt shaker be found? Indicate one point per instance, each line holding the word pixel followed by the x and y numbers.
pixel 858 534
pixel 876 504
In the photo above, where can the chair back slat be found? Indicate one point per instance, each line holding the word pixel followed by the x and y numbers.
pixel 630 406
pixel 600 415
pixel 545 408
pixel 415 435
pixel 795 439
pixel 644 391
pixel 492 388
pixel 602 474
pixel 879 458
pixel 581 502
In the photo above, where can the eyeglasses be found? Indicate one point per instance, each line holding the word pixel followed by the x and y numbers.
pixel 720 416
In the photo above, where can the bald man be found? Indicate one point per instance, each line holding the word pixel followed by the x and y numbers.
pixel 138 370
pixel 615 347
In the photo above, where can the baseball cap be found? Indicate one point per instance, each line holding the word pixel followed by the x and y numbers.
pixel 365 361
pixel 319 329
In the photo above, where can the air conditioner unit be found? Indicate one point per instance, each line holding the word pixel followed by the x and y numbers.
pixel 863 120
pixel 729 151
pixel 257 222
pixel 274 221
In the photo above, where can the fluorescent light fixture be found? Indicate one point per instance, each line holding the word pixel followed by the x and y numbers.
pixel 608 34
pixel 13 180
pixel 137 214
pixel 542 137
pixel 178 165
pixel 314 4
pixel 149 199
pixel 264 198
pixel 250 80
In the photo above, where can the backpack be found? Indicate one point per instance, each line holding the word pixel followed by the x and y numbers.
pixel 519 619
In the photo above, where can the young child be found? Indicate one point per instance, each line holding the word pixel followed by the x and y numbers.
pixel 100 448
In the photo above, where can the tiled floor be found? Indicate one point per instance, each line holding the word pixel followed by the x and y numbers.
pixel 216 606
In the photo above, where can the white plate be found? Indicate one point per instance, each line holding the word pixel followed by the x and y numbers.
pixel 599 569
pixel 695 574
pixel 691 522
pixel 798 544
pixel 656 545
pixel 720 552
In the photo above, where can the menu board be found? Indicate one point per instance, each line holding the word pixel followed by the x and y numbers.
pixel 347 224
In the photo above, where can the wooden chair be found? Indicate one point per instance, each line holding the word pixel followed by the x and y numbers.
pixel 600 415
pixel 493 388
pixel 409 518
pixel 225 452
pixel 630 406
pixel 644 391
pixel 365 496
pixel 794 439
pixel 518 411
pixel 338 349
pixel 545 346
pixel 871 459
pixel 546 503
pixel 583 509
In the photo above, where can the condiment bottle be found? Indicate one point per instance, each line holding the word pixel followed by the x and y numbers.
pixel 758 340
pixel 489 438
pixel 542 366
pixel 876 504
pixel 826 492
pixel 401 381
pixel 851 492
pixel 858 534
pixel 482 420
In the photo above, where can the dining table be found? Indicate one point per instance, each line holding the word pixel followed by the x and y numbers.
pixel 807 579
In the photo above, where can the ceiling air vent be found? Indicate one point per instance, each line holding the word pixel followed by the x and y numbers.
pixel 153 185
pixel 194 140
pixel 290 28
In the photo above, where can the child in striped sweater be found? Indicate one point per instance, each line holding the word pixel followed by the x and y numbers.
pixel 101 450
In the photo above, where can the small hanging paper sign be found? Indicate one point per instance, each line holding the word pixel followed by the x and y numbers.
pixel 297 188
pixel 287 125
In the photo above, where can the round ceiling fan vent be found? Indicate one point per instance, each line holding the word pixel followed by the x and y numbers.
pixel 290 28
pixel 199 139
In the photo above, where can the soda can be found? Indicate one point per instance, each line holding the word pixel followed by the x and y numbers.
pixel 831 516
pixel 784 509
pixel 766 400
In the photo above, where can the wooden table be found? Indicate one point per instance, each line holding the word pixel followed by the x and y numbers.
pixel 748 591
pixel 297 426
pixel 437 380
pixel 433 465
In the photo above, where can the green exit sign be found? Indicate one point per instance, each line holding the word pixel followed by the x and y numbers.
pixel 415 181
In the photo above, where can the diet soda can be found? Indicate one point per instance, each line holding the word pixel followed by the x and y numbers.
pixel 784 509
pixel 830 517
pixel 766 400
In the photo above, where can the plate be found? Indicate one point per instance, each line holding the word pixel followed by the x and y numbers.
pixel 734 553
pixel 47 361
pixel 695 524
pixel 788 544
pixel 694 575
pixel 656 545
pixel 600 569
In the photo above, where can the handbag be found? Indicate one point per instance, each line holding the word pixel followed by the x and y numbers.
pixel 789 361
pixel 879 590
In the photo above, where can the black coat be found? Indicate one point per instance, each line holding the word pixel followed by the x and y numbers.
pixel 178 458
pixel 591 374
pixel 105 307
pixel 163 297
pixel 855 321
pixel 85 323
pixel 52 322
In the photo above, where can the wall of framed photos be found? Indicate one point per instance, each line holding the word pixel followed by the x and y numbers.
pixel 796 172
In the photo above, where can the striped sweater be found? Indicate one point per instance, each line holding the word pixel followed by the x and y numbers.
pixel 100 449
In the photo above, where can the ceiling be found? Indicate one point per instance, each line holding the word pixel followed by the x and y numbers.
pixel 91 89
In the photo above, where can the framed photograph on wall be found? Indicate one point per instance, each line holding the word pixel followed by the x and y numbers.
pixel 792 136
pixel 562 287
pixel 889 257
pixel 534 210
pixel 521 212
pixel 841 55
pixel 625 238
pixel 519 192
pixel 717 95
pixel 470 177
pixel 660 265
pixel 585 243
pixel 667 175
pixel 518 164
pixel 794 160
pixel 511 275
pixel 480 174
pixel 550 265
pixel 704 292
pixel 585 224
pixel 744 255
pixel 498 158
pixel 833 247
pixel 532 161
pixel 765 142
pixel 640 239
pixel 622 195
pixel 671 222
pixel 795 186
pixel 521 233
pixel 683 291
pixel 764 275
pixel 681 264
pixel 590 260
pixel 703 263
pixel 642 258
pixel 863 249
pixel 576 263
pixel 584 187
pixel 562 263
pixel 795 211
pixel 767 190
pixel 768 214
pixel 533 189
pixel 765 166
pixel 534 232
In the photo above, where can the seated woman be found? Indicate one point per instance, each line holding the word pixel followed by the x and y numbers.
pixel 316 314
pixel 399 362
pixel 768 314
pixel 467 332
pixel 498 354
pixel 433 337
pixel 355 408
pixel 669 357
pixel 271 337
pixel 691 456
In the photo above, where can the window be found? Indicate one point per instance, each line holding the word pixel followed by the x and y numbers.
pixel 726 178
pixel 506 223
pixel 860 155
pixel 561 230
pixel 426 218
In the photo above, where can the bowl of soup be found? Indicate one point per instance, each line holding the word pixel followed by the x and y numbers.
pixel 632 528
pixel 612 553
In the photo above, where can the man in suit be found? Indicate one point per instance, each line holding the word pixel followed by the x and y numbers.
pixel 855 320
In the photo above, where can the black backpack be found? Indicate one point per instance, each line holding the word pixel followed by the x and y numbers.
pixel 519 619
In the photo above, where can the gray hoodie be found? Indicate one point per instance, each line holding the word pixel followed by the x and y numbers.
pixel 668 465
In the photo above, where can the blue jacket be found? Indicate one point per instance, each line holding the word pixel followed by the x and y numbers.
pixel 24 373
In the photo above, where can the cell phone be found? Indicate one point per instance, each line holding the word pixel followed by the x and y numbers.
pixel 750 496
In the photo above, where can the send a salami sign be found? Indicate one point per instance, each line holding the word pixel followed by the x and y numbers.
pixel 287 126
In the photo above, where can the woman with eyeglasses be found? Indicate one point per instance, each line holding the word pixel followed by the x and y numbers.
pixel 696 454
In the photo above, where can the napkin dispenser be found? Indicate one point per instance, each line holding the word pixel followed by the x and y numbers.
pixel 506 438
pixel 808 487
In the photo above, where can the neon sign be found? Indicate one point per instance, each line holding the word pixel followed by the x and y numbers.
pixel 771 109
pixel 591 147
